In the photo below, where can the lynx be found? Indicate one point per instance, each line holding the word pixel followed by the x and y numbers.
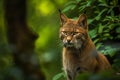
pixel 79 53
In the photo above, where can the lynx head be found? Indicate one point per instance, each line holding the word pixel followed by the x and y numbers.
pixel 73 33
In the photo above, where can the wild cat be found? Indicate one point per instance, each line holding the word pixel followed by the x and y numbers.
pixel 79 53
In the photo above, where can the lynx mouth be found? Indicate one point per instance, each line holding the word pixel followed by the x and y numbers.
pixel 68 45
pixel 71 45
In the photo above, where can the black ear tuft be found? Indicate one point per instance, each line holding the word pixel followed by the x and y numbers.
pixel 59 10
pixel 63 18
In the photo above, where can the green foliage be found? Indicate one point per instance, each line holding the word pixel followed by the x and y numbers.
pixel 59 76
pixel 109 51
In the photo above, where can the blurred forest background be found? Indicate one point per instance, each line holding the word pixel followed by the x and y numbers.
pixel 42 18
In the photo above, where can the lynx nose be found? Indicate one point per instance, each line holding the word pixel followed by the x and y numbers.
pixel 69 39
pixel 68 42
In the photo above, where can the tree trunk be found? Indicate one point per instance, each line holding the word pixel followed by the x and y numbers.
pixel 21 39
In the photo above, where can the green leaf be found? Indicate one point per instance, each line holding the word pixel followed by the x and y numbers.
pixel 112 13
pixel 107 30
pixel 78 0
pixel 118 30
pixel 106 34
pixel 107 47
pixel 104 5
pixel 109 18
pixel 100 28
pixel 96 40
pixel 98 45
pixel 89 2
pixel 82 8
pixel 93 33
pixel 83 3
pixel 103 1
pixel 71 7
pixel 110 26
pixel 99 15
pixel 58 76
pixel 111 8
pixel 110 51
pixel 90 21
pixel 70 3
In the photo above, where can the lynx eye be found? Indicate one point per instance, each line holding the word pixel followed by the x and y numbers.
pixel 74 33
pixel 64 32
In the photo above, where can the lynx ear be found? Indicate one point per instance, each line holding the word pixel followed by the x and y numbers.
pixel 63 19
pixel 82 21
